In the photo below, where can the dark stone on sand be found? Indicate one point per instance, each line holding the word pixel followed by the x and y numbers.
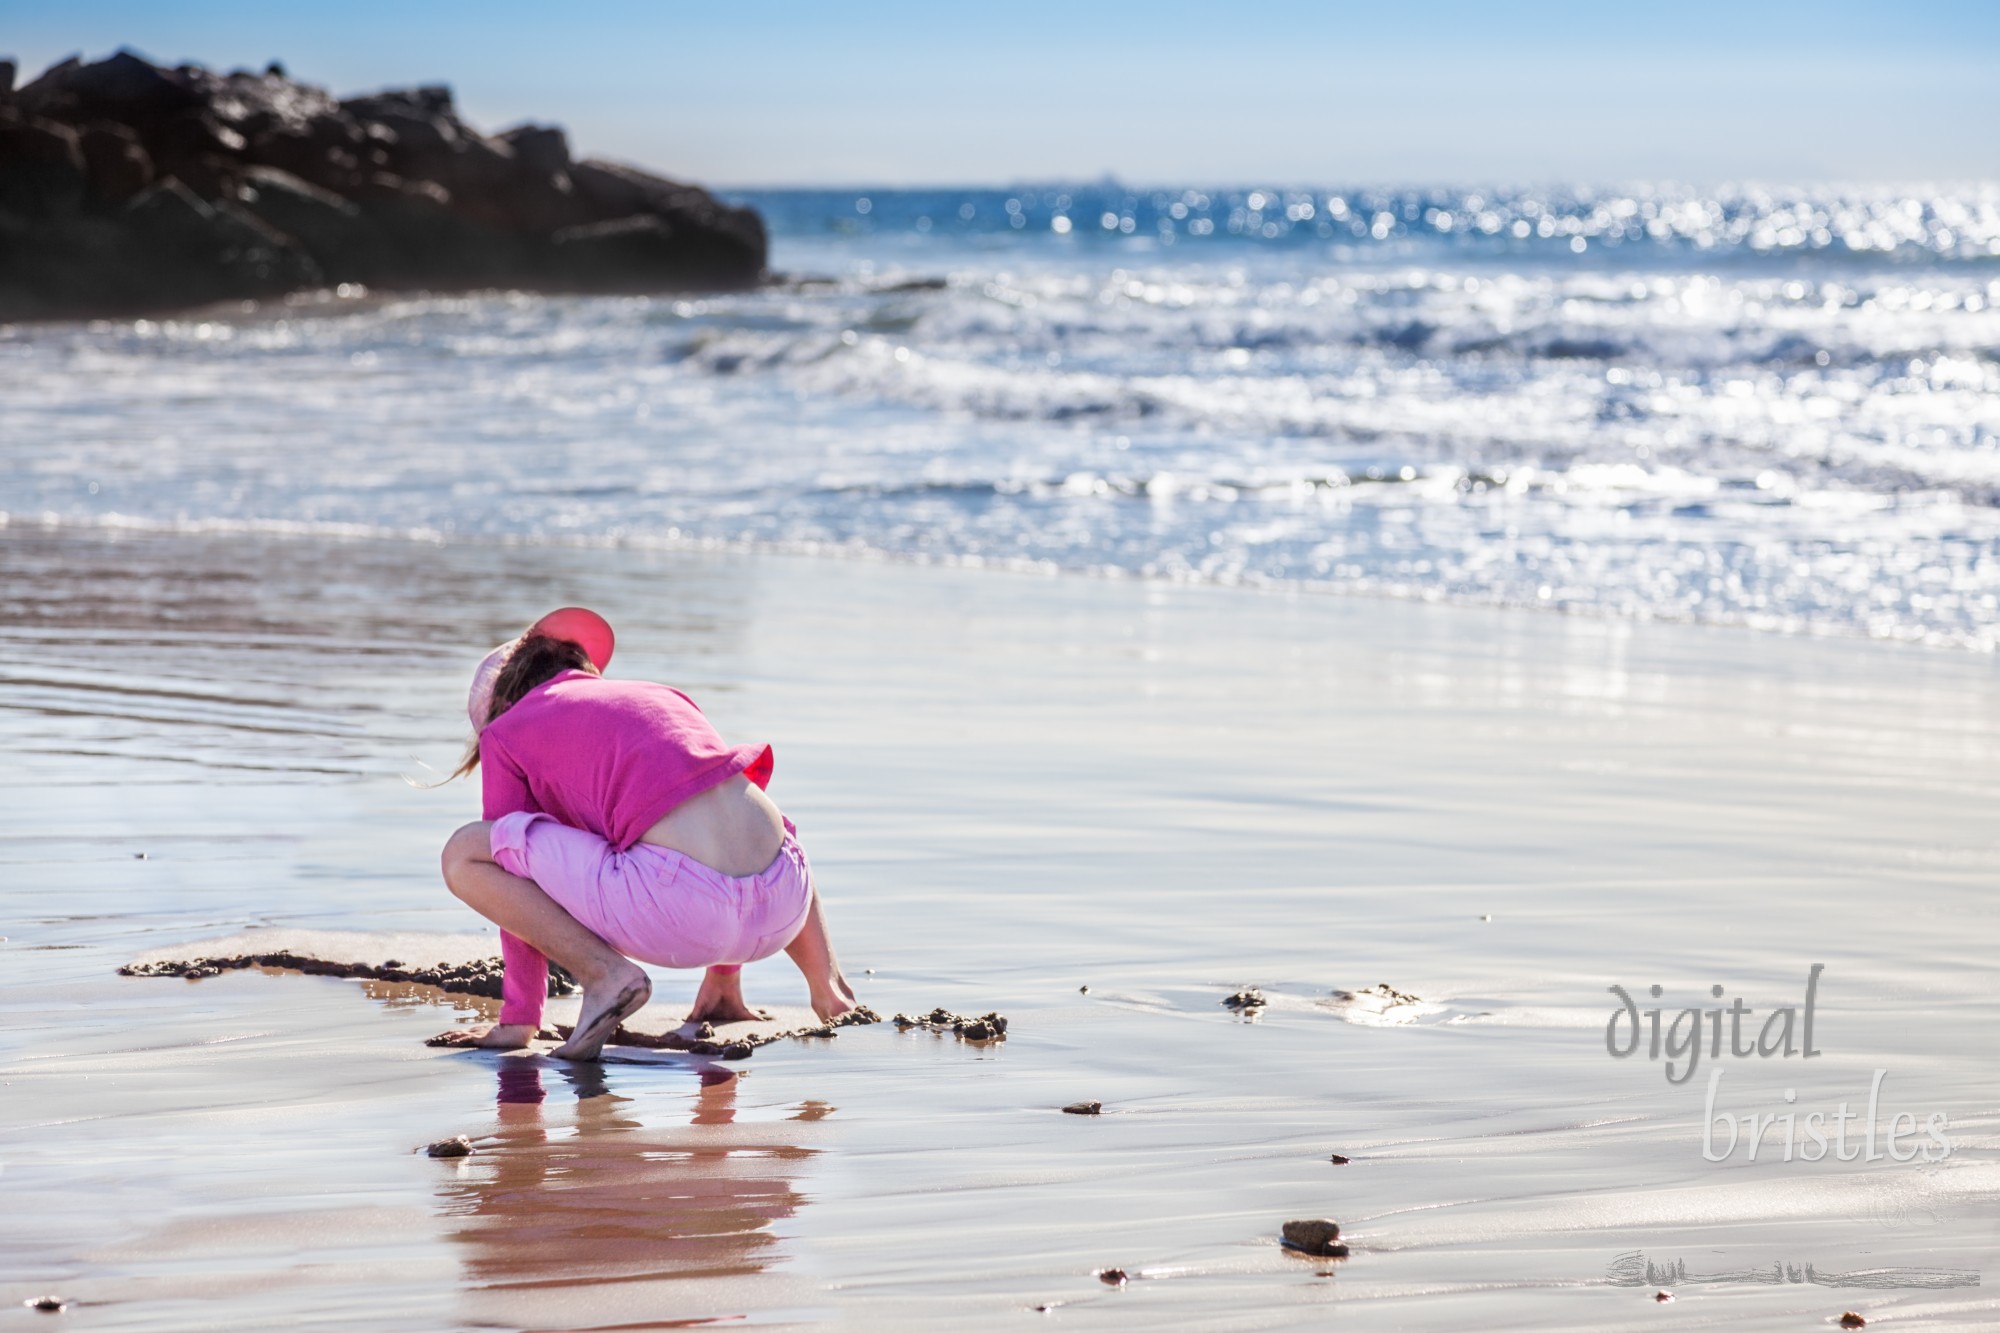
pixel 456 1146
pixel 1247 998
pixel 1084 1108
pixel 1316 1236
pixel 1338 1160
pixel 1852 1320
pixel 47 1304
pixel 128 187
pixel 1113 1277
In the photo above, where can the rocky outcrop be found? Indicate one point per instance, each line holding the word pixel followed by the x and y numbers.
pixel 127 187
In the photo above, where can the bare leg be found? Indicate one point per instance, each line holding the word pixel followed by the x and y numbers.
pixel 720 999
pixel 812 951
pixel 614 987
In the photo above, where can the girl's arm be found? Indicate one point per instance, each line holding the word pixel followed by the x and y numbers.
pixel 524 985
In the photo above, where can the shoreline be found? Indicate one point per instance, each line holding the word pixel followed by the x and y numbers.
pixel 115 526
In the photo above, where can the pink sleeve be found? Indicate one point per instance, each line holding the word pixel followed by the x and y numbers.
pixel 525 983
pixel 503 786
pixel 525 979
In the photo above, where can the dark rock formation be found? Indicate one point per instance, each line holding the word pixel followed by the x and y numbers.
pixel 126 187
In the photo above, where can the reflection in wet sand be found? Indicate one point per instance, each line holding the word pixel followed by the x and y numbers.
pixel 578 1205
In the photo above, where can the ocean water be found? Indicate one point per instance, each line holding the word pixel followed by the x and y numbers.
pixel 1766 408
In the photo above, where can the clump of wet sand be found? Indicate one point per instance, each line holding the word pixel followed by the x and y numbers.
pixel 481 976
pixel 986 1027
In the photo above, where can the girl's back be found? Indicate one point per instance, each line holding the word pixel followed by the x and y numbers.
pixel 632 761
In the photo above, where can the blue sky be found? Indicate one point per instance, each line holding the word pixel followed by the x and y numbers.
pixel 1233 92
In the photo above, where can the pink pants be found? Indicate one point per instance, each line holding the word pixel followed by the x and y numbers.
pixel 649 903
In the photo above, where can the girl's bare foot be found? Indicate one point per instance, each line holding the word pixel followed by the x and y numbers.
pixel 607 1002
pixel 491 1037
pixel 720 999
pixel 736 1012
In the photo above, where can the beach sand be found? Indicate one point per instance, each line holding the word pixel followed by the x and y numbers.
pixel 1096 806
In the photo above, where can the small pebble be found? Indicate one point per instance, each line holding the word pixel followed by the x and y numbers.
pixel 456 1146
pixel 1852 1320
pixel 52 1304
pixel 1113 1277
pixel 1338 1160
pixel 1663 1296
pixel 1084 1108
pixel 1317 1235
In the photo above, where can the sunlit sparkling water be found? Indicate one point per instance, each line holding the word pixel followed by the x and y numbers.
pixel 1767 408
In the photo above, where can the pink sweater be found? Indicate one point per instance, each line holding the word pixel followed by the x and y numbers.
pixel 607 756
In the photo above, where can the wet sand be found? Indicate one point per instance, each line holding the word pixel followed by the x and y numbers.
pixel 1012 788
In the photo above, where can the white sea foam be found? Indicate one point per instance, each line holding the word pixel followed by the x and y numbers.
pixel 1749 429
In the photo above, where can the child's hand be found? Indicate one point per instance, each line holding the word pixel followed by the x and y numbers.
pixel 492 1037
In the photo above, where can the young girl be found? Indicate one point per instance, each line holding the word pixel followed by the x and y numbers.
pixel 619 826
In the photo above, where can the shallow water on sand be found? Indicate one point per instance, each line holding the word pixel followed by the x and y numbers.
pixel 1013 788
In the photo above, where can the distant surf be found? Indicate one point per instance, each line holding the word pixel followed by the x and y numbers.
pixel 1756 407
